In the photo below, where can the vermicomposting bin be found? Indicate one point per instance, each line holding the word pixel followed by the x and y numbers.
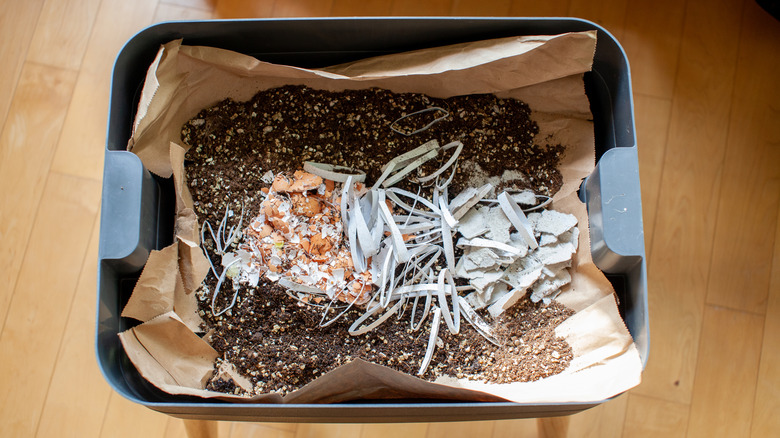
pixel 138 207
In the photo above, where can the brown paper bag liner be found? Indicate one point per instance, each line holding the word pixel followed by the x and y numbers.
pixel 172 354
pixel 544 71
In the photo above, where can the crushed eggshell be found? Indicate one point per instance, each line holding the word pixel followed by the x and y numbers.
pixel 298 237
pixel 304 181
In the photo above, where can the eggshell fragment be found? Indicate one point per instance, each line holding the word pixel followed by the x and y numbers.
pixel 306 205
pixel 280 184
pixel 304 181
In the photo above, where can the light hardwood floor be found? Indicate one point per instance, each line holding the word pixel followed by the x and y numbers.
pixel 707 96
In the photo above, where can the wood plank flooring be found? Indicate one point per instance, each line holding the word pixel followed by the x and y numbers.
pixel 706 95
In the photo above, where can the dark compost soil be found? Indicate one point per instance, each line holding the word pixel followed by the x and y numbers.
pixel 279 344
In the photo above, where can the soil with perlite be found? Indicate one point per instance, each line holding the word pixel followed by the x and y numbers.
pixel 277 342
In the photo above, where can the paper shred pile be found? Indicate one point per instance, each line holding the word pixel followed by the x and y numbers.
pixel 502 276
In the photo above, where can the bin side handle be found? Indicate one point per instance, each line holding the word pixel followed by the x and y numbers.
pixel 129 211
pixel 613 197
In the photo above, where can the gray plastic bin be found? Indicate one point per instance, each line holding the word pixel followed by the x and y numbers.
pixel 138 208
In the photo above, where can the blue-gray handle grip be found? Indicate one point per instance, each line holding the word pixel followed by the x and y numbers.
pixel 129 212
pixel 613 197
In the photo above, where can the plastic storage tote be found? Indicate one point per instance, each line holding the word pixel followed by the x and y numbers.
pixel 137 209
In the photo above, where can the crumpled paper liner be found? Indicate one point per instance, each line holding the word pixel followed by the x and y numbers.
pixel 172 353
pixel 544 71
pixel 172 274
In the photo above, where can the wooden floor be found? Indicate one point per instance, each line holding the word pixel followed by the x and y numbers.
pixel 707 102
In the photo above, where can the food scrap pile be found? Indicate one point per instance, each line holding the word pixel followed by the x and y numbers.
pixel 340 262
pixel 298 234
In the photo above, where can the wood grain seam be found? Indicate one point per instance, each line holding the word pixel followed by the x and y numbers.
pixel 650 245
pixel 455 3
pixel 626 432
pixel 37 209
pixel 758 378
pixel 775 255
pixel 15 80
pixel 111 395
pixel 650 96
pixel 701 342
pixel 74 292
pixel 196 7
pixel 660 399
pixel 721 167
pixel 56 67
pixel 90 41
pixel 658 184
pixel 715 306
